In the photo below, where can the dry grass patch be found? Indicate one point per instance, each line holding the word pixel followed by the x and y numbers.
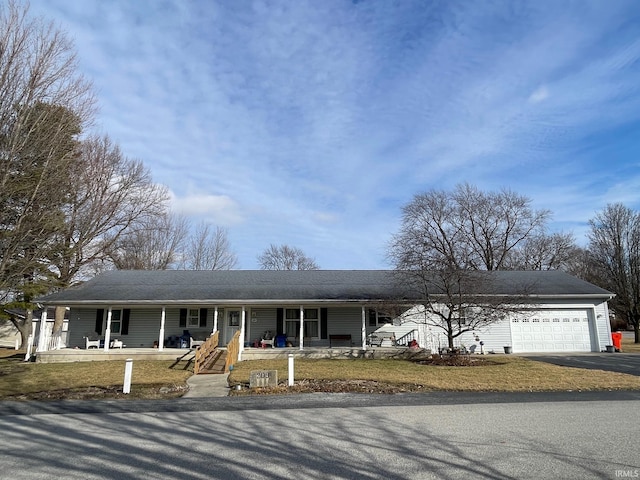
pixel 629 347
pixel 497 373
pixel 52 381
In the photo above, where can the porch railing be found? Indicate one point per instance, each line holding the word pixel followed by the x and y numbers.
pixel 54 342
pixel 204 352
pixel 233 350
pixel 407 338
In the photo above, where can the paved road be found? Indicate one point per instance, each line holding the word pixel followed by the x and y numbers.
pixel 328 436
pixel 612 362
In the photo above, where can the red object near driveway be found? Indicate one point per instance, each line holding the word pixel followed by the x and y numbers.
pixel 616 338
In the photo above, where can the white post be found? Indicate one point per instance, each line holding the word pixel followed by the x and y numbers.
pixel 17 344
pixel 215 320
pixel 291 369
pixel 364 328
pixel 301 327
pixel 128 370
pixel 107 332
pixel 43 338
pixel 161 335
pixel 27 355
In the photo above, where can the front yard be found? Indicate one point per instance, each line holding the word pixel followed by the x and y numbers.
pixel 163 379
pixel 491 373
pixel 80 380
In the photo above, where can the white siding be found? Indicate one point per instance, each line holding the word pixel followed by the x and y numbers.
pixel 603 325
pixel 345 321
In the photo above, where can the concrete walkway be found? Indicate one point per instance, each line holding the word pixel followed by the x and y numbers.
pixel 208 385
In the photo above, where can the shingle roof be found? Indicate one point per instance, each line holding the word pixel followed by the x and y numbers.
pixel 190 287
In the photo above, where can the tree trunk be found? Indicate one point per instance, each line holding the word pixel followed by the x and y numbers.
pixel 636 331
pixel 24 327
pixel 59 320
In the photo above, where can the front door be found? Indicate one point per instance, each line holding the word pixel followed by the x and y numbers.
pixel 232 324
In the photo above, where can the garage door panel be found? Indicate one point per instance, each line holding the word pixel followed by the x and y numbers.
pixel 552 331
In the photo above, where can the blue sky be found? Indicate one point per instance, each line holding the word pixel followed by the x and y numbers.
pixel 310 123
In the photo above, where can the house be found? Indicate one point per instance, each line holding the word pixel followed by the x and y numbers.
pixel 310 308
pixel 10 336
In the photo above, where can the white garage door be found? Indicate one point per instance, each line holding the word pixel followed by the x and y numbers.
pixel 552 331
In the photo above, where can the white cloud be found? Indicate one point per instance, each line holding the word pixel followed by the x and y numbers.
pixel 216 209
pixel 313 122
pixel 539 95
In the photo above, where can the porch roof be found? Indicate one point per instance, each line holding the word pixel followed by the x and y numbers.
pixel 140 287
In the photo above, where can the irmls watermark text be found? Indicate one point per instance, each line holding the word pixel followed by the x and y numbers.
pixel 627 473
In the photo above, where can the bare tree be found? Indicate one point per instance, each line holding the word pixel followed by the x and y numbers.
pixel 208 249
pixel 614 247
pixel 284 257
pixel 151 245
pixel 494 224
pixel 457 301
pixel 108 194
pixel 556 251
pixel 446 243
pixel 44 103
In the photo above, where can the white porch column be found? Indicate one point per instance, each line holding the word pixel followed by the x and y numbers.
pixel 301 327
pixel 163 316
pixel 364 328
pixel 242 330
pixel 107 332
pixel 215 320
pixel 43 338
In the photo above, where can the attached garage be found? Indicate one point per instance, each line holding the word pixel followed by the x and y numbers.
pixel 553 331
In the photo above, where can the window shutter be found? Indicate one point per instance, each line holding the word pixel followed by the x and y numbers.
pixel 372 318
pixel 99 317
pixel 323 323
pixel 124 328
pixel 279 318
pixel 183 317
pixel 203 317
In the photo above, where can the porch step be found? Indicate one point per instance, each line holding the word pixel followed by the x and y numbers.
pixel 215 364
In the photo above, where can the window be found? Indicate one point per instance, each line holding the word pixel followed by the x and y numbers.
pixel 377 317
pixel 234 318
pixel 311 322
pixel 462 315
pixel 193 317
pixel 116 321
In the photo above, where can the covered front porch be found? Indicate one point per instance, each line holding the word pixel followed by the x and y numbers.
pixel 69 355
pixel 166 326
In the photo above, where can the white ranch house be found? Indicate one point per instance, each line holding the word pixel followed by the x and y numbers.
pixel 313 308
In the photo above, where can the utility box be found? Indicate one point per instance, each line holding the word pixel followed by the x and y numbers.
pixel 263 378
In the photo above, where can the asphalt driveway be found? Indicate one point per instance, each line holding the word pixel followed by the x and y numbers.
pixel 612 362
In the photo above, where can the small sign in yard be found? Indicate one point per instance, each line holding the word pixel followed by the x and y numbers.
pixel 263 378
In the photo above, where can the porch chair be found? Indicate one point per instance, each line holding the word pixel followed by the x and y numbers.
pixel 90 341
pixel 267 339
